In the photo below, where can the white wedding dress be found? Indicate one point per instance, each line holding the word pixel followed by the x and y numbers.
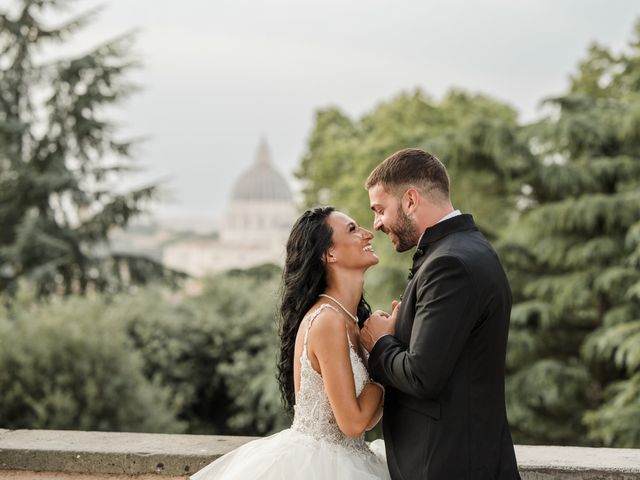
pixel 314 448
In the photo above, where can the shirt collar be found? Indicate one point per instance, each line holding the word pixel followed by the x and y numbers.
pixel 455 213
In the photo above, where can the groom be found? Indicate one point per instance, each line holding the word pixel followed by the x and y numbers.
pixel 441 354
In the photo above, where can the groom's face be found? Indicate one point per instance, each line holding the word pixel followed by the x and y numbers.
pixel 391 219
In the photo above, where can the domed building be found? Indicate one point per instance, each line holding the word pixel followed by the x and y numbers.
pixel 254 229
pixel 261 210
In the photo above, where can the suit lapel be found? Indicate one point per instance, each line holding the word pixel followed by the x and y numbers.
pixel 432 236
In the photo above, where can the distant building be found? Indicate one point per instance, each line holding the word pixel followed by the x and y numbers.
pixel 254 230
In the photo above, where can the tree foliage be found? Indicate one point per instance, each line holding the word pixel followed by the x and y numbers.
pixel 476 136
pixel 574 253
pixel 64 364
pixel 153 361
pixel 60 157
pixel 216 350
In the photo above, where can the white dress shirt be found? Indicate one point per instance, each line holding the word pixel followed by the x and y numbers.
pixel 455 213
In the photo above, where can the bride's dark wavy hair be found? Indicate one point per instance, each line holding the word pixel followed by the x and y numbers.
pixel 303 279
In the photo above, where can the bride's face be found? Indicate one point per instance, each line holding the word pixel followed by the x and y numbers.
pixel 351 243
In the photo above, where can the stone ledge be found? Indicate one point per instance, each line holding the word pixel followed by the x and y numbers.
pixel 569 463
pixel 109 452
pixel 57 455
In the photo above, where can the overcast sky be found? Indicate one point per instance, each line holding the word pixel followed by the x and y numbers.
pixel 220 74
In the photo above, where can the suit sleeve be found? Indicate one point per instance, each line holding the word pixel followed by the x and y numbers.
pixel 445 315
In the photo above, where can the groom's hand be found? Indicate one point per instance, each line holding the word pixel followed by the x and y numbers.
pixel 378 325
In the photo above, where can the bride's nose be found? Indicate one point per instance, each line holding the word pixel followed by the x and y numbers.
pixel 366 234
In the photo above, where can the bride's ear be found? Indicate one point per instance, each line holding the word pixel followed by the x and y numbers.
pixel 329 257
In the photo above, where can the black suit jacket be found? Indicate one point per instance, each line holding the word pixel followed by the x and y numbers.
pixel 444 413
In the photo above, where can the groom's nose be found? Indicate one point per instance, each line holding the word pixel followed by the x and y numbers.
pixel 377 223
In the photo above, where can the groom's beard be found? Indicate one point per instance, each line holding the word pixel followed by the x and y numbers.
pixel 404 231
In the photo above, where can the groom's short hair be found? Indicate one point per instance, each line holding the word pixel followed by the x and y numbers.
pixel 411 167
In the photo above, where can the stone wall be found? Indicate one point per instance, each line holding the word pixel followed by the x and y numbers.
pixel 62 455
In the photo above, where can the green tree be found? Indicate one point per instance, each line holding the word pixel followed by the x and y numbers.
pixel 216 351
pixel 59 157
pixel 477 138
pixel 156 360
pixel 64 364
pixel 573 258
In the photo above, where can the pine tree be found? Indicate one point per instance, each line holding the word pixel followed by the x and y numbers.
pixel 574 258
pixel 59 157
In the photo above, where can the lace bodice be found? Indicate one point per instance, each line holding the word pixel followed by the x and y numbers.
pixel 312 412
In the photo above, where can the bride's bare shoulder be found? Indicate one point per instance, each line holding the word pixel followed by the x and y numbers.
pixel 325 316
pixel 328 329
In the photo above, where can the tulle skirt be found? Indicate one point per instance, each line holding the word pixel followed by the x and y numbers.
pixel 290 454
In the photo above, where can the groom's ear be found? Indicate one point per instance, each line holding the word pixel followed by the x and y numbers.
pixel 411 200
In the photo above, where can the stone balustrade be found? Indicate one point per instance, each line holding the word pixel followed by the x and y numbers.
pixel 61 455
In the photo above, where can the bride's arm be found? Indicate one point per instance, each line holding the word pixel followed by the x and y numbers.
pixel 329 345
pixel 377 416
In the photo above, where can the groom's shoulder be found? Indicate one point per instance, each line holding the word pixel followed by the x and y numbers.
pixel 457 246
pixel 464 245
pixel 469 251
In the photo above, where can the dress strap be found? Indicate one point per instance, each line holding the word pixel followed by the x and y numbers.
pixel 349 340
pixel 312 316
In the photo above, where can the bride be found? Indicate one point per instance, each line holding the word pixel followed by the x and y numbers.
pixel 322 367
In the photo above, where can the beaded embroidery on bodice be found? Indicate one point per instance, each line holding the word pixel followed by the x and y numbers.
pixel 312 412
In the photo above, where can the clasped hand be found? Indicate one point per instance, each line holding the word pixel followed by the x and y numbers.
pixel 379 324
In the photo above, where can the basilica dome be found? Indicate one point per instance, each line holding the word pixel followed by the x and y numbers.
pixel 261 182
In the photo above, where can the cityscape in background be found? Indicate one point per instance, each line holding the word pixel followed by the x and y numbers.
pixel 253 230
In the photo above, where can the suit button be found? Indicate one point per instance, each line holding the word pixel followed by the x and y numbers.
pixel 410 274
pixel 419 252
